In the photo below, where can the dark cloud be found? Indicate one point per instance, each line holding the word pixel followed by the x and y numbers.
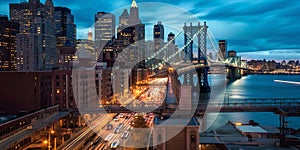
pixel 247 25
pixel 265 24
pixel 248 11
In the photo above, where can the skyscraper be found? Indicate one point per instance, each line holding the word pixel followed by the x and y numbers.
pixel 124 19
pixel 171 36
pixel 222 49
pixel 65 27
pixel 134 14
pixel 8 47
pixel 36 43
pixel 104 29
pixel 172 47
pixel 131 41
pixel 158 36
pixel 90 36
pixel 131 32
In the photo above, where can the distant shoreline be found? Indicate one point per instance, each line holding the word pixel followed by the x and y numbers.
pixel 265 73
pixel 274 74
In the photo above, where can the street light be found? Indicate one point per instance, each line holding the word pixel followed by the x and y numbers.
pixel 227 98
pixel 49 140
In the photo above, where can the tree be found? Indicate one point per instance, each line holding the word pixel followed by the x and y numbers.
pixel 139 122
pixel 139 136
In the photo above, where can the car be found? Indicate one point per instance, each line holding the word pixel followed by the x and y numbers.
pixel 114 144
pixel 117 130
pixel 109 126
pixel 129 128
pixel 116 119
pixel 121 115
pixel 120 125
pixel 109 137
pixel 125 135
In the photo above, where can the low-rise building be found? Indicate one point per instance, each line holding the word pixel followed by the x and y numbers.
pixel 176 134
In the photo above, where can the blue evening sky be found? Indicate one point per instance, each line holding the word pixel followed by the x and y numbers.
pixel 256 29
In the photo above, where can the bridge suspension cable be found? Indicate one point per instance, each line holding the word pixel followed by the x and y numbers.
pixel 165 46
pixel 212 38
pixel 176 53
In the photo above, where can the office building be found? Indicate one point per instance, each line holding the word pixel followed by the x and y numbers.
pixel 158 36
pixel 171 36
pixel 36 42
pixel 232 53
pixel 172 48
pixel 38 90
pixel 134 14
pixel 8 47
pixel 124 19
pixel 104 29
pixel 87 45
pixel 90 36
pixel 104 83
pixel 134 37
pixel 65 27
pixel 66 57
pixel 223 49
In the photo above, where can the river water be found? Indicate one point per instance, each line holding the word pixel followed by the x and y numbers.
pixel 257 86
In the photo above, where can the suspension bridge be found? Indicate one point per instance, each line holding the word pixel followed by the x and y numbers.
pixel 195 59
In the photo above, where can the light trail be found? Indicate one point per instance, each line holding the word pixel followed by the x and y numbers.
pixel 289 82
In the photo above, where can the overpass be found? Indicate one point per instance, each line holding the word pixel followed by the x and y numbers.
pixel 21 129
pixel 289 105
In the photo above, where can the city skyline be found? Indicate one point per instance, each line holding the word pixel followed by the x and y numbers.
pixel 254 23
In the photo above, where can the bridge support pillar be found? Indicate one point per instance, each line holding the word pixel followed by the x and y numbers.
pixel 234 73
pixel 202 73
pixel 282 125
pixel 186 79
pixel 244 72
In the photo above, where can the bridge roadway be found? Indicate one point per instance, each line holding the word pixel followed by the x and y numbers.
pixel 27 132
pixel 284 106
pixel 219 66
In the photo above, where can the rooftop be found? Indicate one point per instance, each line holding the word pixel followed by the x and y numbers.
pixel 134 4
pixel 178 121
pixel 251 129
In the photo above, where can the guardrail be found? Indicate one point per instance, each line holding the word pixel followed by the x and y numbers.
pixel 11 127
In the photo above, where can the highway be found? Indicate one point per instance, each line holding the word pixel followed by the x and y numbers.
pixel 98 142
pixel 93 138
pixel 97 124
pixel 154 96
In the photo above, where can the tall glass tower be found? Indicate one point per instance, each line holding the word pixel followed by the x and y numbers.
pixel 158 36
pixel 104 29
pixel 65 27
pixel 36 43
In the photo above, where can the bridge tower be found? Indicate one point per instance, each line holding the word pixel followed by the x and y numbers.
pixel 234 68
pixel 197 33
pixel 189 33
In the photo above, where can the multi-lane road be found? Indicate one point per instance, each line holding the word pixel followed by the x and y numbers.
pixel 113 135
pixel 154 96
pixel 114 131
